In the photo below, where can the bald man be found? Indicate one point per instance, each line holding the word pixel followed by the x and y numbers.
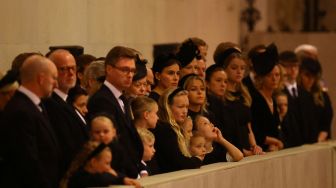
pixel 28 145
pixel 70 129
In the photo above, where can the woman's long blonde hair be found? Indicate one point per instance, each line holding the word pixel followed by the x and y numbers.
pixel 166 115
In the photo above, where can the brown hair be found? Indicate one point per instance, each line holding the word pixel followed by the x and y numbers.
pixel 118 52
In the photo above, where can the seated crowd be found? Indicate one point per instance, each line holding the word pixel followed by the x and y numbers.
pixel 69 120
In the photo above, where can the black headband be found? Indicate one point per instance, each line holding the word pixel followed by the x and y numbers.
pixel 173 94
pixel 96 151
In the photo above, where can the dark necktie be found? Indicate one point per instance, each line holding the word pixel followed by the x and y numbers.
pixel 44 111
pixel 126 109
pixel 294 92
pixel 124 100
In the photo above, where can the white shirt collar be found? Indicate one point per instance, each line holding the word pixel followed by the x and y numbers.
pixel 113 89
pixel 290 86
pixel 32 96
pixel 61 94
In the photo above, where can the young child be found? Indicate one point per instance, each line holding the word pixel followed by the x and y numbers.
pixel 91 168
pixel 102 129
pixel 187 127
pixel 148 140
pixel 197 146
pixel 144 110
pixel 218 149
pixel 289 131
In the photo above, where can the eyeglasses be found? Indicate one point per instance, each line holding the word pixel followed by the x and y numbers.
pixel 67 69
pixel 125 70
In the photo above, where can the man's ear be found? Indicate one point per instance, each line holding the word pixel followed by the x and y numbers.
pixel 108 68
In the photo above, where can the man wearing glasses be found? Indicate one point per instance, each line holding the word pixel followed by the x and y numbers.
pixel 70 130
pixel 109 99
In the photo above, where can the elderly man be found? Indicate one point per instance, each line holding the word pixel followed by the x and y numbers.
pixel 120 69
pixel 70 129
pixel 29 147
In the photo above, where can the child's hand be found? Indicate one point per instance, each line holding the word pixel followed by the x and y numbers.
pixel 129 181
pixel 257 150
pixel 219 134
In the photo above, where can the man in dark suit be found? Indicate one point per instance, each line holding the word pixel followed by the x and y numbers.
pixel 120 69
pixel 28 144
pixel 300 102
pixel 68 126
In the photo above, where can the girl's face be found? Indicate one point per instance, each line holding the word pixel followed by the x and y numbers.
pixel 206 128
pixel 218 82
pixel 308 80
pixel 271 80
pixel 102 131
pixel 187 128
pixel 151 116
pixel 197 146
pixel 236 70
pixel 196 92
pixel 149 150
pixel 179 108
pixel 169 76
pixel 80 104
pixel 102 163
pixel 191 68
pixel 282 104
pixel 138 88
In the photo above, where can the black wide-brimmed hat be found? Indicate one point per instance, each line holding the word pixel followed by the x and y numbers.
pixel 264 60
pixel 187 52
pixel 10 78
pixel 141 70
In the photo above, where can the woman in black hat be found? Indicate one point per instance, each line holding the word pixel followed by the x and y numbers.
pixel 265 118
pixel 8 86
pixel 139 81
pixel 310 79
pixel 189 55
pixel 166 70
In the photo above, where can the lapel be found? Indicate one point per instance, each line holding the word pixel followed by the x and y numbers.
pixel 44 121
pixel 119 112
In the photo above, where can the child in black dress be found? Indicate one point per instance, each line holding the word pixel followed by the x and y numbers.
pixel 91 168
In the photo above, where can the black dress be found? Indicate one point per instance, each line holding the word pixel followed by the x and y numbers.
pixel 264 122
pixel 83 179
pixel 168 155
pixel 218 154
pixel 224 115
pixel 154 96
pixel 242 116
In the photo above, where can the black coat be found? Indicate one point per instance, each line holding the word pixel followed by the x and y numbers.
pixel 28 145
pixel 103 101
pixel 304 110
pixel 264 122
pixel 70 130
pixel 168 154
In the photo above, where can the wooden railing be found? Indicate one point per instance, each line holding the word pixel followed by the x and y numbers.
pixel 308 166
